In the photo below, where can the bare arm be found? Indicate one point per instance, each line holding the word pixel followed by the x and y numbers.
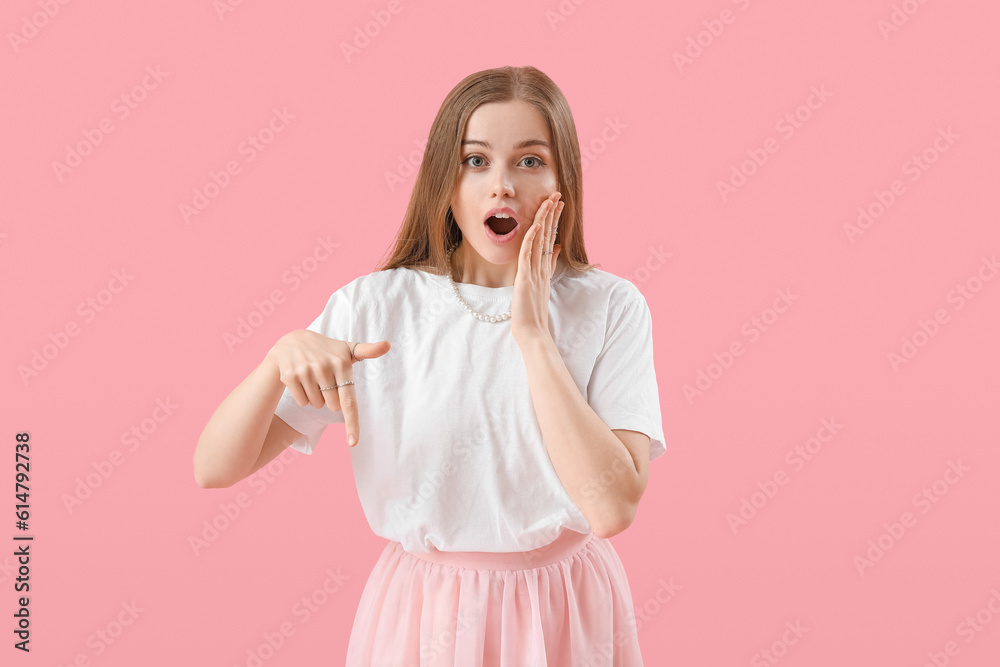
pixel 243 434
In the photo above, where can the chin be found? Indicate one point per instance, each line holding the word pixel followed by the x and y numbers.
pixel 504 255
pixel 499 254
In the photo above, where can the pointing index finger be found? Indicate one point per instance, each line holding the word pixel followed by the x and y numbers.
pixel 349 404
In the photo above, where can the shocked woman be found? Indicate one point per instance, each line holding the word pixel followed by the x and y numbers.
pixel 503 422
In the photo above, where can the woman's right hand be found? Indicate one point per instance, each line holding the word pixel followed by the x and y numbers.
pixel 308 361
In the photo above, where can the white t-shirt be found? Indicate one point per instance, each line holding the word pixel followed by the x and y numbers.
pixel 450 454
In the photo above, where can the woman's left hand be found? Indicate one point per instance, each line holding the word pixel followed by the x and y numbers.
pixel 529 314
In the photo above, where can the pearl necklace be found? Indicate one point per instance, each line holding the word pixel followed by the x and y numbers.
pixel 479 316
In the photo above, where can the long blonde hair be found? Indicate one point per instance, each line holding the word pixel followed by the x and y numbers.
pixel 429 227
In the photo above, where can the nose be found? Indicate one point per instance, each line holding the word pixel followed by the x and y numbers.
pixel 502 182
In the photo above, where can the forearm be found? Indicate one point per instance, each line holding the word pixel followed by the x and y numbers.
pixel 232 440
pixel 584 451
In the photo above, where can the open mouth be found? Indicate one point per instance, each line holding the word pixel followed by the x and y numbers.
pixel 501 226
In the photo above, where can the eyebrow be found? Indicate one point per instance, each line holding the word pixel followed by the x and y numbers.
pixel 523 144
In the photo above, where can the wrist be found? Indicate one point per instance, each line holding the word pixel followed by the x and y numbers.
pixel 269 365
pixel 537 339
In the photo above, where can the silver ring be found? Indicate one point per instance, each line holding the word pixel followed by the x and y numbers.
pixel 337 385
pixel 547 253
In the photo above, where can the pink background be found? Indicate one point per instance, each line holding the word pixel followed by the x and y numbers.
pixel 662 135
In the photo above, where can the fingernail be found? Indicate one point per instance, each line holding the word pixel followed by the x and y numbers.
pixel 352 440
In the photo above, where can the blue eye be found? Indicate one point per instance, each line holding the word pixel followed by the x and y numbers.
pixel 480 157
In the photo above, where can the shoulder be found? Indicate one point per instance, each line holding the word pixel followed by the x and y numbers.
pixel 385 285
pixel 597 285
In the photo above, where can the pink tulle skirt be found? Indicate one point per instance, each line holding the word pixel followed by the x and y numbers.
pixel 567 604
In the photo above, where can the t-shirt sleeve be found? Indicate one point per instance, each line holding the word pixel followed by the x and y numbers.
pixel 622 388
pixel 336 321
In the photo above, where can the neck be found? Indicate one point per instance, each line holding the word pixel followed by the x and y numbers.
pixel 470 268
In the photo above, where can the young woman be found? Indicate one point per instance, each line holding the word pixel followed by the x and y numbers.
pixel 502 423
